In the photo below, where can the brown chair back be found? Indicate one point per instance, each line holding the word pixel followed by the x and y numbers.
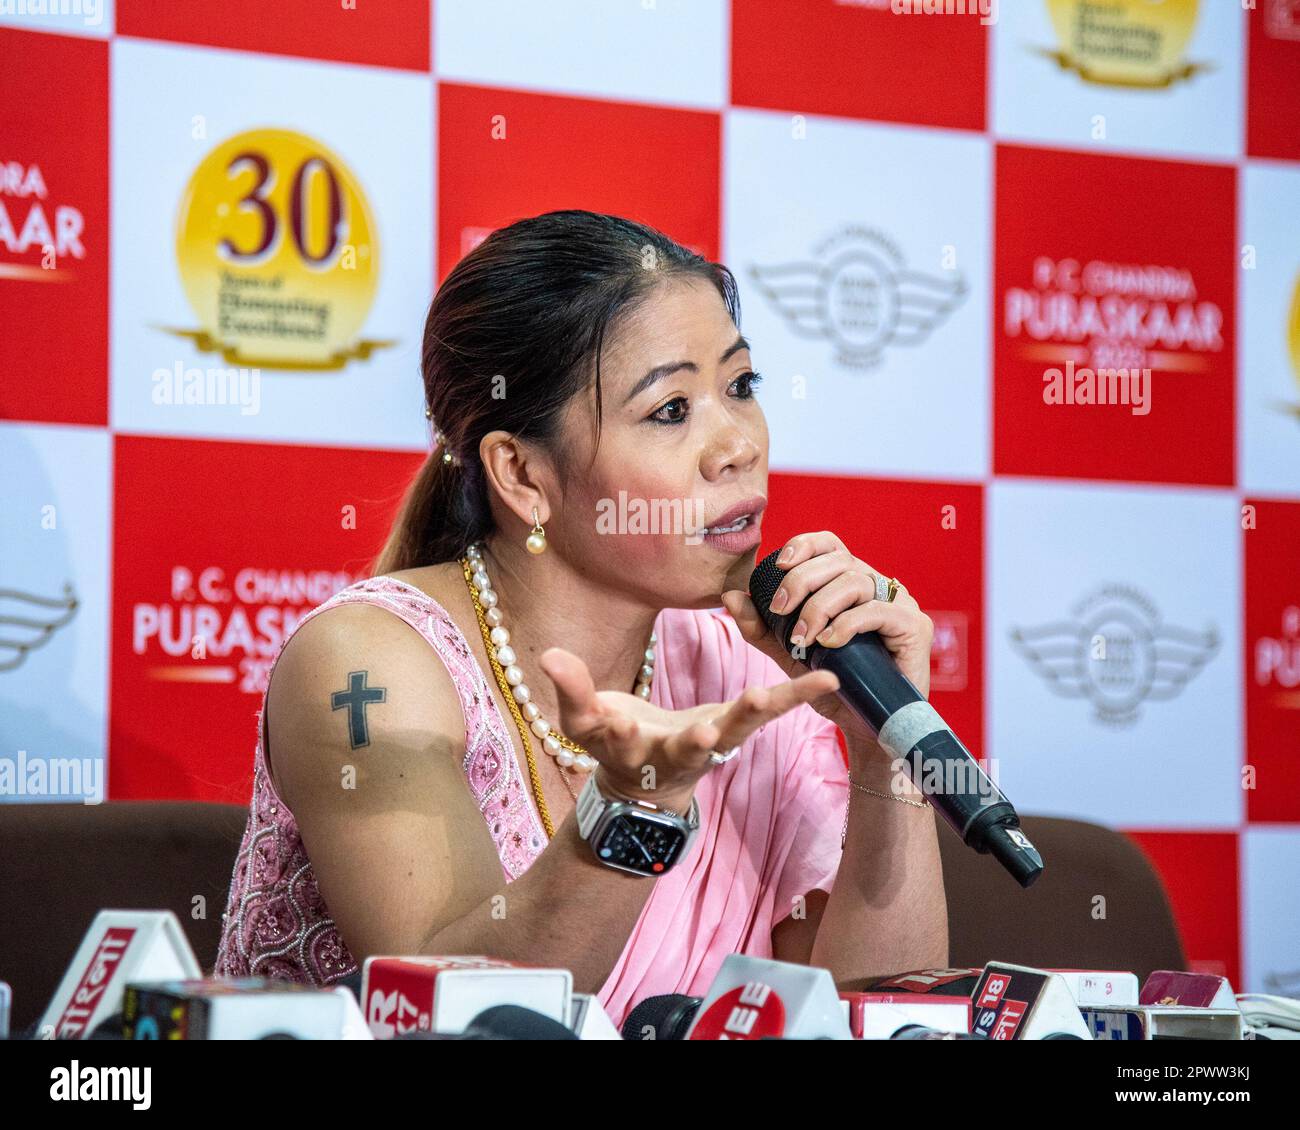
pixel 1097 905
pixel 60 864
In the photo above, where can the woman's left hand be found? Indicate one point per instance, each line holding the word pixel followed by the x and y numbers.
pixel 841 591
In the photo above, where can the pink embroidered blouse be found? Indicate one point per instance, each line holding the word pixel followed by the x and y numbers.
pixel 770 821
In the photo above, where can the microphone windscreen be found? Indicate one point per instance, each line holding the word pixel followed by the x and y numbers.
pixel 513 1022
pixel 668 1017
pixel 763 583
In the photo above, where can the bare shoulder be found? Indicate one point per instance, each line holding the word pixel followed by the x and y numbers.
pixel 356 687
pixel 366 744
pixel 444 582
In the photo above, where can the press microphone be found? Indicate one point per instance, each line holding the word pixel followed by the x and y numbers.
pixel 513 1022
pixel 755 998
pixel 921 1032
pixel 121 947
pixel 240 1008
pixel 444 993
pixel 665 1017
pixel 501 1022
pixel 1018 1002
pixel 909 729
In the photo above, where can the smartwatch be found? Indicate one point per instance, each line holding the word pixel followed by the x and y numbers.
pixel 634 835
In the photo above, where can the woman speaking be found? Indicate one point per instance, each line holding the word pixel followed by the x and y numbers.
pixel 533 737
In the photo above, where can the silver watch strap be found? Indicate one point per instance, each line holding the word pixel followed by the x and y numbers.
pixel 592 804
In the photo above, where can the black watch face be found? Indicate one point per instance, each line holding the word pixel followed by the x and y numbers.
pixel 640 843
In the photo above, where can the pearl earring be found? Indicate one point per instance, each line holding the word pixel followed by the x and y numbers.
pixel 536 542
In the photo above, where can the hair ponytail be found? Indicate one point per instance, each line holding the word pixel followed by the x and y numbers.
pixel 436 520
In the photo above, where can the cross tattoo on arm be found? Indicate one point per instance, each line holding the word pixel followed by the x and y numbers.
pixel 356 698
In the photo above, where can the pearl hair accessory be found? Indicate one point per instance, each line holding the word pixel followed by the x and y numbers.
pixel 566 752
pixel 440 440
pixel 448 456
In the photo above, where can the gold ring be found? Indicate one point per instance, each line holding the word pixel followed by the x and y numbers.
pixel 893 588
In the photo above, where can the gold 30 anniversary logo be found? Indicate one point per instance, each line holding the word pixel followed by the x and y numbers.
pixel 277 253
pixel 1293 342
pixel 1125 42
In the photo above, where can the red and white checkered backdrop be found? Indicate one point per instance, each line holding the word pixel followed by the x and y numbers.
pixel 221 225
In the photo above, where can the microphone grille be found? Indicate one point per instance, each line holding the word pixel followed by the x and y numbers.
pixel 764 581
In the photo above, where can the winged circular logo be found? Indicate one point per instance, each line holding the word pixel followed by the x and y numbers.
pixel 1117 653
pixel 858 293
pixel 28 621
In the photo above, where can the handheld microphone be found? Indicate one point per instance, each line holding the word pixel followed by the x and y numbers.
pixel 910 730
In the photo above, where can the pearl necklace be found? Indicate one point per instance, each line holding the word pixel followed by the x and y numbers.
pixel 566 752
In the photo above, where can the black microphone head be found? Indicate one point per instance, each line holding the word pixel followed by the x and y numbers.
pixel 668 1016
pixel 514 1022
pixel 763 583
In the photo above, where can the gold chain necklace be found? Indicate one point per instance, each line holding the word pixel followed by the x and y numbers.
pixel 534 776
pixel 642 689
